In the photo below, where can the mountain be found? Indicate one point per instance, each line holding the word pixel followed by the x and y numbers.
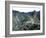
pixel 26 21
pixel 37 13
